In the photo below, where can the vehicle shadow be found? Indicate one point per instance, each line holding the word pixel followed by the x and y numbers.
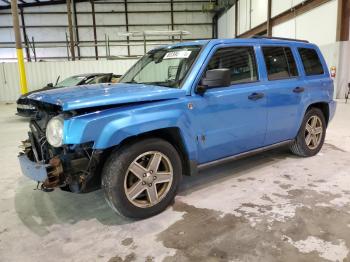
pixel 237 168
pixel 39 210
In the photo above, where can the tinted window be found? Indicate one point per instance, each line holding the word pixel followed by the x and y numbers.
pixel 311 61
pixel 240 60
pixel 280 63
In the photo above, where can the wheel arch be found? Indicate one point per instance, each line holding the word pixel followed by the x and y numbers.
pixel 323 106
pixel 169 134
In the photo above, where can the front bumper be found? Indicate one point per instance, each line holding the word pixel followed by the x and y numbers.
pixel 33 170
pixel 25 109
pixel 25 112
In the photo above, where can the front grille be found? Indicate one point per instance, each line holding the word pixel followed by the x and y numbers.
pixel 38 141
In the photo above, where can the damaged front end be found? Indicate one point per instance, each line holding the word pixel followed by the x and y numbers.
pixel 72 168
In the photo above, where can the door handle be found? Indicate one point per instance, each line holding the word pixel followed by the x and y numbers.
pixel 298 89
pixel 256 96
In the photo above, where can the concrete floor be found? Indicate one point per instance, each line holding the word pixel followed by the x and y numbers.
pixel 270 207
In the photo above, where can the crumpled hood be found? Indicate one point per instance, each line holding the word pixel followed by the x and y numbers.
pixel 85 96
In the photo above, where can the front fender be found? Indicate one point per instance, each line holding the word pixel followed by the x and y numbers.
pixel 108 129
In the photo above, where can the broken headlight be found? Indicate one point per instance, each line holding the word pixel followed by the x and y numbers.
pixel 54 131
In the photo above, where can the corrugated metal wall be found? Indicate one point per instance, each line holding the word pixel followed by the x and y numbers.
pixel 41 73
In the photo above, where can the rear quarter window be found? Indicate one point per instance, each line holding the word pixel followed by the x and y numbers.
pixel 311 61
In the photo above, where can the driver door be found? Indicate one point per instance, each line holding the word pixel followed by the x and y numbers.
pixel 233 119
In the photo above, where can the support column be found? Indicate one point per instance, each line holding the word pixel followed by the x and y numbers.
pixel 25 35
pixel 172 17
pixel 343 20
pixel 76 26
pixel 94 26
pixel 236 19
pixel 20 59
pixel 127 24
pixel 269 22
pixel 70 29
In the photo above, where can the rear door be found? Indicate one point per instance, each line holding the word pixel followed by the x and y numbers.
pixel 285 93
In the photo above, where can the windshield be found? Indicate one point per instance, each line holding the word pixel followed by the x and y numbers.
pixel 163 67
pixel 70 81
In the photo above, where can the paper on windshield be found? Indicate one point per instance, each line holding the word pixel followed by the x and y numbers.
pixel 178 54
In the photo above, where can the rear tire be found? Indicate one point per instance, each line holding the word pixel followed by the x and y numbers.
pixel 311 135
pixel 141 179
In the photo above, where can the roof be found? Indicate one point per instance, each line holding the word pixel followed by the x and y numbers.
pixel 253 40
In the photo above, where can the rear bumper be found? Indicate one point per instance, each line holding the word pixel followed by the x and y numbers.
pixel 33 170
pixel 332 109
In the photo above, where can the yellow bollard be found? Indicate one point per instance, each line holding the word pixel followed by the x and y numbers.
pixel 20 59
pixel 22 71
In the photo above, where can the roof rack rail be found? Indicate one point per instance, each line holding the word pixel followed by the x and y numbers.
pixel 278 38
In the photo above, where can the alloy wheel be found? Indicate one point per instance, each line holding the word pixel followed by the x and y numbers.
pixel 313 132
pixel 148 179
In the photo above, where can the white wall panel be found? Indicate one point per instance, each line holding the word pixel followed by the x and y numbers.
pixel 279 6
pixel 319 25
pixel 309 26
pixel 184 6
pixel 47 34
pixel 226 24
pixel 243 16
pixel 149 18
pixel 47 8
pixel 258 12
pixel 148 7
pixel 6 35
pixel 47 19
pixel 101 19
pixel 181 18
pixel 41 73
pixel 286 29
pixel 343 69
pixel 50 52
pixel 5 20
pixel 337 54
pixel 7 52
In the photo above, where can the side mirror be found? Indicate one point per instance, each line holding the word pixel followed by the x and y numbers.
pixel 200 90
pixel 215 78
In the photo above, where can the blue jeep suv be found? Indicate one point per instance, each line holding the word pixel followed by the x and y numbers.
pixel 179 109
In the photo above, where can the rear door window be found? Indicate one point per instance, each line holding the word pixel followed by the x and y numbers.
pixel 280 62
pixel 240 60
pixel 311 61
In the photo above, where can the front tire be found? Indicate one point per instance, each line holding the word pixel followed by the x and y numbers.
pixel 311 135
pixel 141 179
